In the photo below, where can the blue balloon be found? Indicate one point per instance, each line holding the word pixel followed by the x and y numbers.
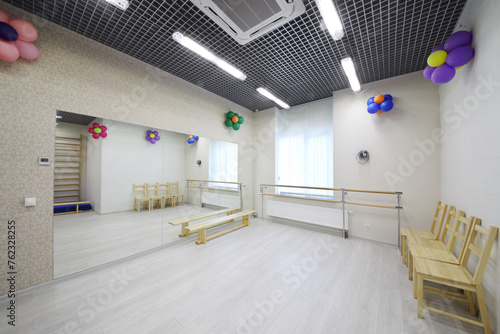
pixel 195 137
pixel 386 105
pixel 373 108
pixel 7 32
pixel 190 140
pixel 387 97
pixel 370 100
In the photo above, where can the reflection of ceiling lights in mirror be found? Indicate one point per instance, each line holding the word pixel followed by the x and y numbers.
pixel 271 97
pixel 331 18
pixel 121 4
pixel 208 55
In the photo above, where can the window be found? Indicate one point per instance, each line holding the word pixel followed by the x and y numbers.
pixel 223 163
pixel 304 148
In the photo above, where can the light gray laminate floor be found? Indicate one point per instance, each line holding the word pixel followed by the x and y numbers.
pixel 265 278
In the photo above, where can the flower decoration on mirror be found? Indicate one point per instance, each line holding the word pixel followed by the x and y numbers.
pixel 233 120
pixel 446 58
pixel 192 139
pixel 379 103
pixel 152 136
pixel 98 131
pixel 16 37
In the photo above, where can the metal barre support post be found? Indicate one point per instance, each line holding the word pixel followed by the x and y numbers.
pixel 343 212
pixel 399 207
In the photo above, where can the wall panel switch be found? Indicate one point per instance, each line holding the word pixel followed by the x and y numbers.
pixel 30 201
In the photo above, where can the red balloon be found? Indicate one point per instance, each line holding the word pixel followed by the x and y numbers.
pixel 95 136
pixel 90 130
pixel 103 128
pixel 104 134
pixel 4 17
pixel 25 30
pixel 27 50
pixel 95 125
pixel 8 51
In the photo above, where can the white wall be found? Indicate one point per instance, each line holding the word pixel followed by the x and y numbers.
pixel 397 161
pixel 470 118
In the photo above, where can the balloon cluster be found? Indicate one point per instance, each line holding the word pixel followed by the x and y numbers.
pixel 379 103
pixel 234 120
pixel 192 139
pixel 15 39
pixel 446 58
pixel 98 131
pixel 152 136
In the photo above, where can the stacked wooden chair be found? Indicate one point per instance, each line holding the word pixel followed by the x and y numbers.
pixel 174 192
pixel 141 195
pixel 458 275
pixel 164 192
pixel 154 195
pixel 433 234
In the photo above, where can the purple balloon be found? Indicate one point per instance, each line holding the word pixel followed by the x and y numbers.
pixel 148 138
pixel 460 56
pixel 149 132
pixel 443 74
pixel 438 47
pixel 152 141
pixel 458 39
pixel 155 133
pixel 428 70
pixel 157 138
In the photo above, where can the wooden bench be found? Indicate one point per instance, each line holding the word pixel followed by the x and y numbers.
pixel 185 221
pixel 201 228
pixel 75 204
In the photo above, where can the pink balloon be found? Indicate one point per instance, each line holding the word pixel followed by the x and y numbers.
pixel 8 51
pixel 4 17
pixel 90 130
pixel 25 30
pixel 27 50
pixel 95 125
pixel 104 134
pixel 103 128
pixel 95 136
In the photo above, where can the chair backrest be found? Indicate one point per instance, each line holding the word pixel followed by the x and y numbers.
pixel 152 189
pixel 140 191
pixel 446 235
pixel 464 225
pixel 438 219
pixel 163 189
pixel 489 235
pixel 173 188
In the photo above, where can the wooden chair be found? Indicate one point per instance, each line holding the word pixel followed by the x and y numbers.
pixel 154 195
pixel 434 233
pixel 165 194
pixel 174 191
pixel 141 195
pixel 458 277
pixel 444 255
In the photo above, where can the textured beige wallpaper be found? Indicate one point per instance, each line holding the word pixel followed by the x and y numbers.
pixel 79 75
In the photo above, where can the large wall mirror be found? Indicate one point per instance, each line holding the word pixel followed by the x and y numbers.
pixel 113 171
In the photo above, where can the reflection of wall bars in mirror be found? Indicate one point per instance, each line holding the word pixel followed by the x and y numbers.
pixel 218 193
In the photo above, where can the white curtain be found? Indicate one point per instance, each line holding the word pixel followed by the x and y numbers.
pixel 223 163
pixel 304 148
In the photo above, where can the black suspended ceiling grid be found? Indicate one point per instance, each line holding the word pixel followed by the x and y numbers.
pixel 299 61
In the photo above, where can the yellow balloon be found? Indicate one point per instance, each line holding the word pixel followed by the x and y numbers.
pixel 152 135
pixel 437 58
pixel 459 67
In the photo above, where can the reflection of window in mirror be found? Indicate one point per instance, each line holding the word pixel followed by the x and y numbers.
pixel 223 163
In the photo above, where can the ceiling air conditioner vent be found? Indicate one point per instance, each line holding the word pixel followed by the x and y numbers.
pixel 246 20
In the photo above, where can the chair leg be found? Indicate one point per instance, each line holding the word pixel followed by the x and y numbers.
pixel 482 309
pixel 470 302
pixel 410 265
pixel 415 284
pixel 420 295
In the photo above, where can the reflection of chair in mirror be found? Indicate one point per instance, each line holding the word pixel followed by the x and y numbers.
pixel 173 189
pixel 165 194
pixel 141 195
pixel 154 195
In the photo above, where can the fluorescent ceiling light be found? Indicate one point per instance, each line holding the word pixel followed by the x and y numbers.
pixel 270 96
pixel 121 4
pixel 350 72
pixel 208 55
pixel 331 18
pixel 58 117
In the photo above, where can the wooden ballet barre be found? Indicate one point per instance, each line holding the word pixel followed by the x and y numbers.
pixel 372 205
pixel 213 181
pixel 283 186
pixel 221 189
pixel 308 198
pixel 371 191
